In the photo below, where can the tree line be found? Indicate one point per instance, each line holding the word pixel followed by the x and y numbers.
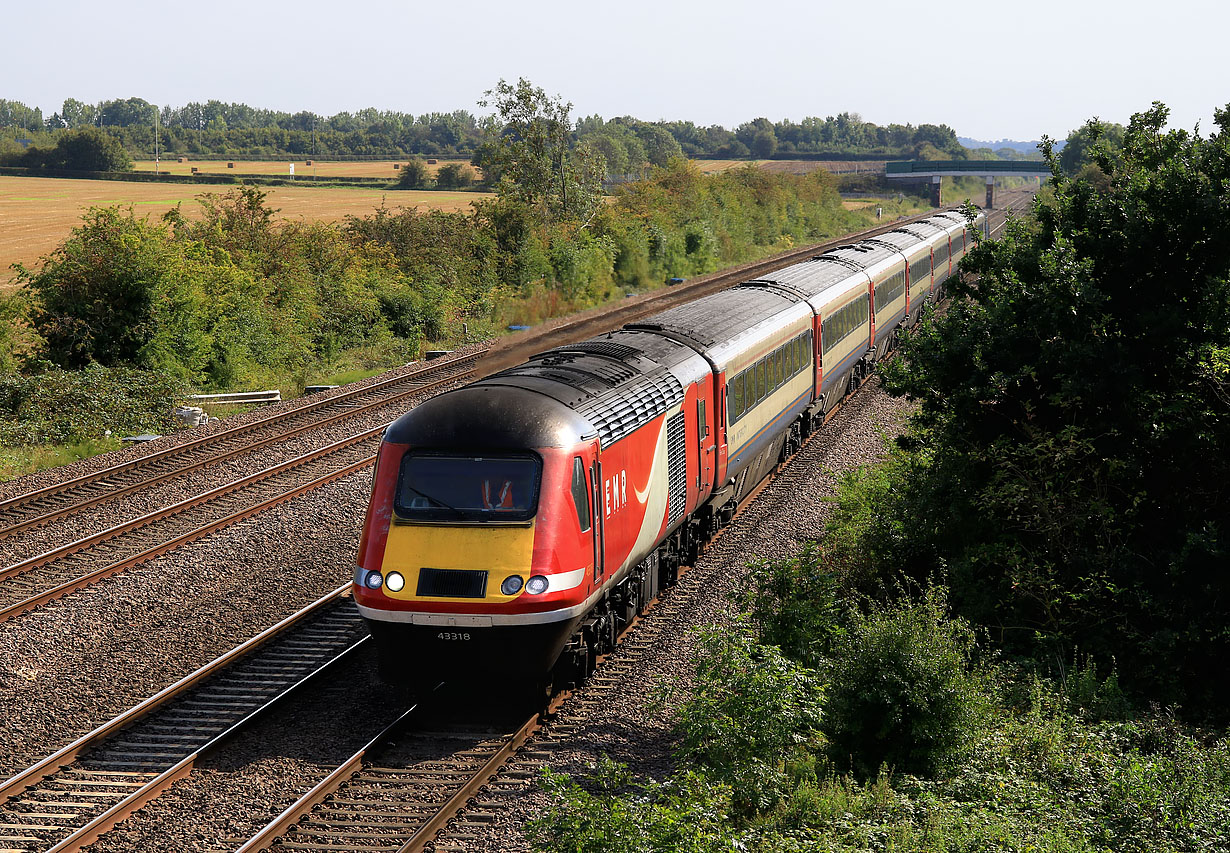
pixel 218 129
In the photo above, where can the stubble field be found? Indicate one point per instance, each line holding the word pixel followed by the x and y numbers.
pixel 36 214
pixel 320 169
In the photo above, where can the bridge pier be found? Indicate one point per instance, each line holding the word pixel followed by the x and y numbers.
pixel 990 192
pixel 937 198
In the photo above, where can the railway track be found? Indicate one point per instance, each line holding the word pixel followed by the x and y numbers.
pixel 50 503
pixel 72 567
pixel 395 795
pixel 72 797
pixel 68 568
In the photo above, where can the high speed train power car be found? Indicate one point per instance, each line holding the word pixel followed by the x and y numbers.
pixel 518 523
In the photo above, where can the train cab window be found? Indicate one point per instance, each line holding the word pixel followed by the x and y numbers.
pixel 580 497
pixel 468 487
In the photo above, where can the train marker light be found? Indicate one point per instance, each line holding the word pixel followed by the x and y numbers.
pixel 394 582
pixel 536 585
pixel 511 585
pixel 373 580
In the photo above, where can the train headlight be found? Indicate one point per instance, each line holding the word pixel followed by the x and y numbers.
pixel 373 580
pixel 394 582
pixel 512 585
pixel 536 585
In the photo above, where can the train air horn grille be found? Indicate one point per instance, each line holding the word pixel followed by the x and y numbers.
pixel 452 583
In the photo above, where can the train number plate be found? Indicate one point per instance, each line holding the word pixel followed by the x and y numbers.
pixel 453 635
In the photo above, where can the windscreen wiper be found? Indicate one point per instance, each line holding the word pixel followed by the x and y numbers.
pixel 434 500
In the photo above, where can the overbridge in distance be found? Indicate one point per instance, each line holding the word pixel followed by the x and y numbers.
pixel 920 170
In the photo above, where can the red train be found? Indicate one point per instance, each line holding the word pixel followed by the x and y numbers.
pixel 518 523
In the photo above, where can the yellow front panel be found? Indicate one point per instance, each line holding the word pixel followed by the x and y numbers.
pixel 500 550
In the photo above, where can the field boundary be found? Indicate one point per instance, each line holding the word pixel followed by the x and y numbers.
pixel 210 178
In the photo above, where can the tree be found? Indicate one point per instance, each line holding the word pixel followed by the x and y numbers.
pixel 1071 457
pixel 77 114
pixel 95 296
pixel 660 146
pixel 764 144
pixel 529 151
pixel 453 176
pixel 1094 141
pixel 414 175
pixel 126 113
pixel 88 149
pixel 17 114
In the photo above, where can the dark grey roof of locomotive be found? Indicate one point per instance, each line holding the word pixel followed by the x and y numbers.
pixel 615 383
pixel 716 318
pixel 488 417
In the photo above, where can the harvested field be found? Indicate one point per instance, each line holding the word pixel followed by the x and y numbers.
pixel 710 167
pixel 322 169
pixel 36 214
pixel 793 167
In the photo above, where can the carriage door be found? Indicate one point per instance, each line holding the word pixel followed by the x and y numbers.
pixel 595 477
pixel 705 445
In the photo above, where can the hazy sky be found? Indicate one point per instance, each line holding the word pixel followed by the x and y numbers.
pixel 990 71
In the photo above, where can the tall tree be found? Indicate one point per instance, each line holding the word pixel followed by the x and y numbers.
pixel 1073 472
pixel 88 149
pixel 530 152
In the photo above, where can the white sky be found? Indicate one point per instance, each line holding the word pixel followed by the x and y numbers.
pixel 1004 70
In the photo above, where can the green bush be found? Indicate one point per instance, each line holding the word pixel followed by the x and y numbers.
pixel 797 604
pixel 68 406
pixel 903 690
pixel 609 813
pixel 414 175
pixel 756 714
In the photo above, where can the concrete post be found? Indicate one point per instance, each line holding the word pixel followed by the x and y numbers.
pixel 937 200
pixel 990 192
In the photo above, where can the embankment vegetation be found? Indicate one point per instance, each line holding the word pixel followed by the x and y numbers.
pixel 1014 635
pixel 237 299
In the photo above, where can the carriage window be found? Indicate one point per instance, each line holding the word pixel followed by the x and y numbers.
pixel 760 381
pixel 580 497
pixel 735 398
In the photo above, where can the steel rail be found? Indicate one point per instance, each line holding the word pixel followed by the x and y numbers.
pixel 104 822
pixel 104 572
pixel 70 753
pixel 304 805
pixel 176 508
pixel 18 501
pixel 456 803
